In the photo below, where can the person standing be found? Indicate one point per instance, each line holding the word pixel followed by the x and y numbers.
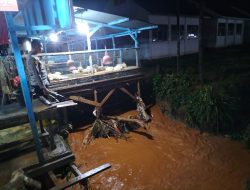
pixel 37 74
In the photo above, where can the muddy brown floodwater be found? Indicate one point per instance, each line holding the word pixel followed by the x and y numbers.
pixel 167 156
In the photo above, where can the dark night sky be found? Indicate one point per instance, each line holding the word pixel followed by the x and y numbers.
pixel 169 6
pixel 223 7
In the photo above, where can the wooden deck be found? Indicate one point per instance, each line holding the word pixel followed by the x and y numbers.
pixel 13 114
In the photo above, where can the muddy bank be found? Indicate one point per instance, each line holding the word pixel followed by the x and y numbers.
pixel 168 156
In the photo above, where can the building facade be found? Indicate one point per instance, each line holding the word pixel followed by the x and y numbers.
pixel 223 32
pixel 162 42
pixel 219 31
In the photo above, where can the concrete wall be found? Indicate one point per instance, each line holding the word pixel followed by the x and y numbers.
pixel 233 39
pixel 168 48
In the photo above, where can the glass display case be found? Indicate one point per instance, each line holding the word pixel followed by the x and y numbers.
pixel 65 67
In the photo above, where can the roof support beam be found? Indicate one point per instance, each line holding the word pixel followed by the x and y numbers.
pixel 147 28
pixel 114 35
pixel 102 24
pixel 119 21
pixel 134 37
pixel 94 30
pixel 128 32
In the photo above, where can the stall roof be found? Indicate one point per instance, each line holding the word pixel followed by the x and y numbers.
pixel 95 16
pixel 110 19
pixel 113 24
pixel 102 25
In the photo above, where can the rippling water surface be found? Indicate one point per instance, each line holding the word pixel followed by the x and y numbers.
pixel 167 156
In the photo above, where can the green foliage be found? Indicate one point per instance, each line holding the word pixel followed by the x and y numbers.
pixel 205 108
pixel 246 138
pixel 248 185
pixel 209 110
pixel 172 88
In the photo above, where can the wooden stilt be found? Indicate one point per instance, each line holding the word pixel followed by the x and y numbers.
pixel 95 96
pixel 107 97
pixel 128 93
pixel 138 88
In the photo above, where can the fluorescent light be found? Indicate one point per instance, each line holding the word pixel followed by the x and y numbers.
pixel 82 27
pixel 53 37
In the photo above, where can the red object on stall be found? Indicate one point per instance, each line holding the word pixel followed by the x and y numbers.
pixel 3 30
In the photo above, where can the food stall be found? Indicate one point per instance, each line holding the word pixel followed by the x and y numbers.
pixel 80 55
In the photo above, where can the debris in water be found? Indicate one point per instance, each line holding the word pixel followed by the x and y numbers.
pixel 113 126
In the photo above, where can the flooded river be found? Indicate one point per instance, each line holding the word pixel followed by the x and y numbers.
pixel 167 156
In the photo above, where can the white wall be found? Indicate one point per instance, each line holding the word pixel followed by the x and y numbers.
pixel 229 40
pixel 168 48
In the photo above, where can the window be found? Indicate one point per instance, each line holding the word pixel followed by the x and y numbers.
pixel 160 34
pixel 230 30
pixel 221 29
pixel 174 32
pixel 192 31
pixel 239 29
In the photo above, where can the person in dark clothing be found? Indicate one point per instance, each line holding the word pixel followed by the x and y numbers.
pixel 37 74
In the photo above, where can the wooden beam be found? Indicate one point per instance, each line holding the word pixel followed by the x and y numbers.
pixel 81 177
pixel 128 93
pixel 85 101
pixel 107 97
pixel 56 162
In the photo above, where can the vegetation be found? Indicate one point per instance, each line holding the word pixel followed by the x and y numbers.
pixel 210 110
pixel 221 104
pixel 205 108
pixel 246 138
pixel 172 88
pixel 248 185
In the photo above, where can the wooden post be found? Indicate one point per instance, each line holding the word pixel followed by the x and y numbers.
pixel 178 37
pixel 97 108
pixel 138 88
pixel 95 96
pixel 202 5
